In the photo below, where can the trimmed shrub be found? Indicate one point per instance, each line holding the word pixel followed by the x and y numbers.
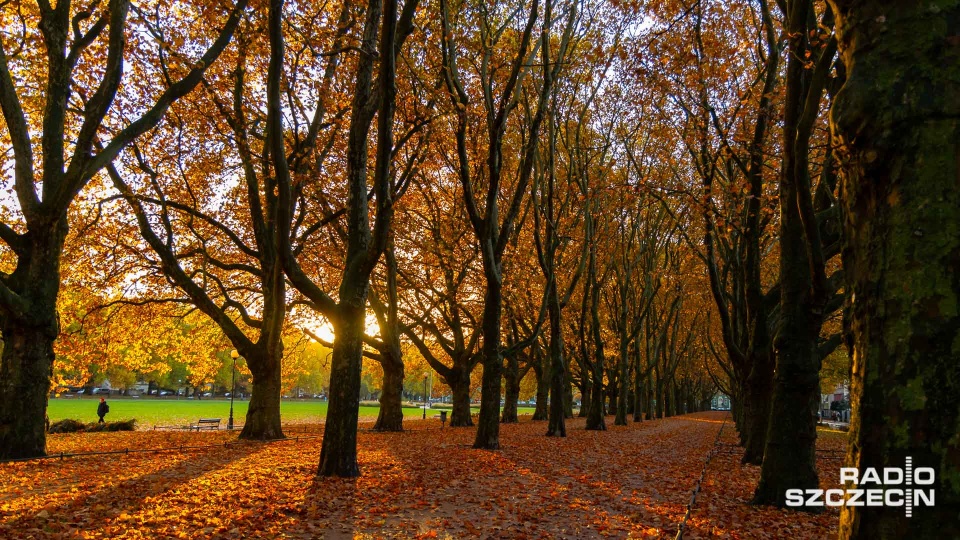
pixel 76 426
pixel 123 425
pixel 66 426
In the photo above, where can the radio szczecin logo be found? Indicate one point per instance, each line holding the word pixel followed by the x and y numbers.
pixel 890 486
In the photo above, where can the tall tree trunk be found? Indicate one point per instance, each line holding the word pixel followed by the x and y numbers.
pixel 511 391
pixel 680 400
pixel 263 411
pixel 338 454
pixel 668 400
pixel 558 400
pixel 390 417
pixel 26 363
pixel 760 362
pixel 543 391
pixel 595 415
pixel 586 395
pixel 637 405
pixel 736 408
pixel 645 400
pixel 460 387
pixel 759 387
pixel 558 367
pixel 488 425
pixel 658 396
pixel 623 382
pixel 898 120
pixel 637 385
pixel 789 459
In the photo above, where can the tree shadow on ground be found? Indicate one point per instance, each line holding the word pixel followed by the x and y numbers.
pixel 109 490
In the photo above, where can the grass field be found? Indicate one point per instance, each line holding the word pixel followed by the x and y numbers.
pixel 164 412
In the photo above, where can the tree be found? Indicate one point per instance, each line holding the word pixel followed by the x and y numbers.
pixel 492 231
pixel 372 96
pixel 807 293
pixel 80 132
pixel 222 287
pixel 897 123
pixel 559 185
pixel 439 309
pixel 729 102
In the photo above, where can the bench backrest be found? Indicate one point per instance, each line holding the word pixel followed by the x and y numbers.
pixel 208 421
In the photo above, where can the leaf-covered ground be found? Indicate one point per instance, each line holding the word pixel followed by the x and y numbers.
pixel 632 481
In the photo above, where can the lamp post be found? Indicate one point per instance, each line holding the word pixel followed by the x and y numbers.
pixel 424 396
pixel 233 390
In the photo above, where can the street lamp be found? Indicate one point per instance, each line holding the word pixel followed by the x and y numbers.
pixel 424 396
pixel 233 390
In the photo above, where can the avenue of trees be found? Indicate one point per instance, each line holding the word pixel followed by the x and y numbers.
pixel 625 207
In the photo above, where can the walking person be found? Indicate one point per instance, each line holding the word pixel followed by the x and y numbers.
pixel 102 410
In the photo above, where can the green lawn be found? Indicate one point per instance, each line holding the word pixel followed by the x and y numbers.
pixel 164 412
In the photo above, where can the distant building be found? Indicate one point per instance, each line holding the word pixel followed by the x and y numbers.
pixel 836 403
pixel 720 402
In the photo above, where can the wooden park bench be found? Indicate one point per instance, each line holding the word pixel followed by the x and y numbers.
pixel 206 423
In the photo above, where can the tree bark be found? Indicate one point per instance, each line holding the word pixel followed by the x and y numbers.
pixel 338 454
pixel 27 363
pixel 586 393
pixel 637 385
pixel 558 367
pixel 789 459
pixel 758 391
pixel 460 415
pixel 543 392
pixel 623 383
pixel 556 426
pixel 898 122
pixel 488 424
pixel 263 412
pixel 390 417
pixel 511 391
pixel 595 415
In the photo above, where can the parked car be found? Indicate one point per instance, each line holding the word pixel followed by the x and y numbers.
pixel 207 394
pixel 166 393
pixel 100 391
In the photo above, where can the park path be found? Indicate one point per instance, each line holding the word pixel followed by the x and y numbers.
pixel 630 481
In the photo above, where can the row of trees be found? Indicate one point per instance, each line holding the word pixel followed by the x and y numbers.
pixel 642 202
